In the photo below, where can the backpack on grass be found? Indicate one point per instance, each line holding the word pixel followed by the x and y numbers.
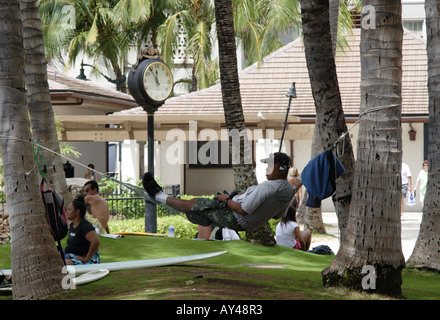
pixel 55 214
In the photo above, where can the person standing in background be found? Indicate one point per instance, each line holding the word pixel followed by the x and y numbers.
pixel 91 175
pixel 422 181
pixel 406 184
pixel 291 177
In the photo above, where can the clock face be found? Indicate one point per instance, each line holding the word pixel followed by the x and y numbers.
pixel 158 81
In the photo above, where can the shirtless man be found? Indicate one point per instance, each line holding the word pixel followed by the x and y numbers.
pixel 96 205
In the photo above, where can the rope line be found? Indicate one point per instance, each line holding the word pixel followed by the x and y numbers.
pixel 138 190
pixel 38 158
pixel 141 191
pixel 340 153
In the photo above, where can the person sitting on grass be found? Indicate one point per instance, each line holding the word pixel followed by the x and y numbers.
pixel 288 233
pixel 243 212
pixel 83 242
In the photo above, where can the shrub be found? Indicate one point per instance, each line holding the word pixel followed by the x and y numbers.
pixel 182 227
pixel 127 225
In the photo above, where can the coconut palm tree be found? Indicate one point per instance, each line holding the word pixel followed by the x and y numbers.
pixel 426 253
pixel 244 175
pixel 330 120
pixel 36 264
pixel 259 24
pixel 197 19
pixel 372 247
pixel 39 101
pixel 102 29
pixel 147 31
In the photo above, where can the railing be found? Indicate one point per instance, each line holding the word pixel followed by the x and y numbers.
pixel 125 203
pixel 128 204
pixel 122 206
pixel 2 201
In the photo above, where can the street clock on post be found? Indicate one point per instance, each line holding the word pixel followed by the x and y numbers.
pixel 150 81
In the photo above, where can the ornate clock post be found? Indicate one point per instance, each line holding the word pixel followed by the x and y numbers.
pixel 150 82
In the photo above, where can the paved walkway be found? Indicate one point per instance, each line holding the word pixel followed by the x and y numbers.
pixel 410 230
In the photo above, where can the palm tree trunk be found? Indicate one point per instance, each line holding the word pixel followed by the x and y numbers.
pixel 372 246
pixel 426 251
pixel 39 101
pixel 36 264
pixel 244 175
pixel 330 120
pixel 334 17
pixel 194 82
pixel 122 86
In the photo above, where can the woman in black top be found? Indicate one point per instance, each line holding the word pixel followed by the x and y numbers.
pixel 83 242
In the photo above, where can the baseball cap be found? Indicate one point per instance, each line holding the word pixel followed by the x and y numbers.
pixel 278 157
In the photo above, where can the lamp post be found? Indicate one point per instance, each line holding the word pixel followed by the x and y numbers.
pixel 117 81
pixel 291 93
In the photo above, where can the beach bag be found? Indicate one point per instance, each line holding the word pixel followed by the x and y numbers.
pixel 55 214
pixel 410 199
pixel 322 249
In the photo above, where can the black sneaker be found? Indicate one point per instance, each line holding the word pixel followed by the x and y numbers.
pixel 5 284
pixel 150 185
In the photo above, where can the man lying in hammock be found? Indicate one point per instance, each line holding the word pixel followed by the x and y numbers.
pixel 243 212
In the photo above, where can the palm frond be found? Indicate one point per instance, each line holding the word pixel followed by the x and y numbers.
pixel 132 11
pixel 167 36
pixel 92 35
pixel 281 15
pixel 199 46
pixel 77 44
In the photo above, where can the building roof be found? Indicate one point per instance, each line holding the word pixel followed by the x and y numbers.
pixel 263 88
pixel 73 96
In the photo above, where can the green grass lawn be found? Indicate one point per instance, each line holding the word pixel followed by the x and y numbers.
pixel 287 275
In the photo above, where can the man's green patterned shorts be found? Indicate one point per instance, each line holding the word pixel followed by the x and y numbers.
pixel 206 211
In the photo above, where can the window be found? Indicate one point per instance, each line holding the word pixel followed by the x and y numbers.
pixel 414 26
